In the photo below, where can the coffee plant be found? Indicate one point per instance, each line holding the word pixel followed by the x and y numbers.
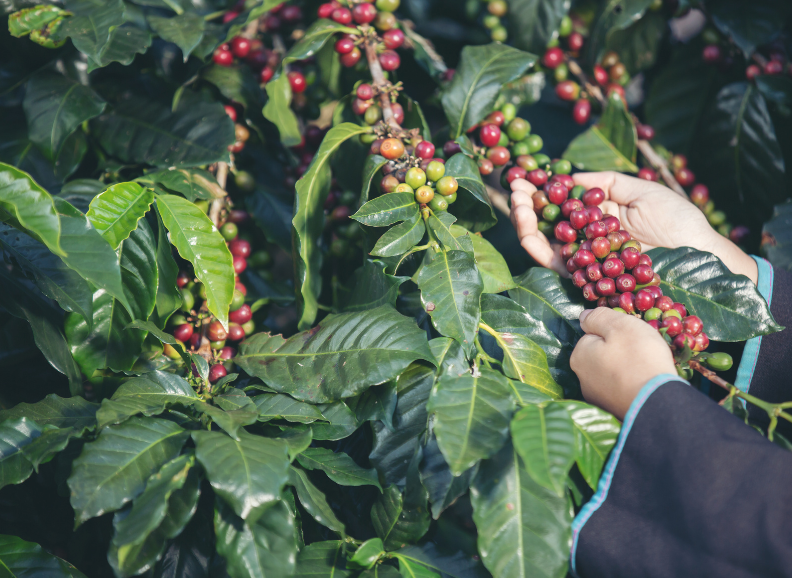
pixel 262 314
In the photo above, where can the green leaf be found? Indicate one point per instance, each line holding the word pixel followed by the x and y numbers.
pixel 396 524
pixel 113 470
pixel 509 318
pixel 56 106
pixel 169 297
pixel 442 486
pixel 25 21
pixel 248 473
pixel 48 444
pixel 729 305
pixel 491 266
pixel 450 563
pixel 115 213
pixel 425 54
pixel 90 27
pixel 452 238
pixel 616 125
pixel 311 191
pixel 482 70
pixel 414 117
pixel 401 238
pixel 273 216
pixel 297 439
pixel 378 403
pixel 323 560
pixel 20 558
pixel 471 195
pixel 194 184
pixel 450 292
pixel 614 15
pixel 367 554
pixel 749 25
pixel 265 549
pixel 534 23
pixel 279 406
pixel 341 357
pixel 743 160
pixel 410 569
pixel 278 111
pixel 149 394
pixel 339 467
pixel 594 151
pixel 35 262
pixel 388 209
pixel 171 517
pixel 373 164
pixel 544 436
pixel 30 207
pixel 125 43
pixel 596 432
pixel 472 416
pixel 371 287
pixel 143 131
pixel 342 422
pixel 639 44
pixel 199 241
pixel 184 30
pixel 778 231
pixel 314 38
pixel 61 412
pixel 523 528
pixel 107 343
pixel 314 501
pixel 15 434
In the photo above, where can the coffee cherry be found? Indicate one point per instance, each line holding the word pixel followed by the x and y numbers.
pixel 393 38
pixel 229 231
pixel 581 112
pixel 612 223
pixel 644 300
pixel 241 315
pixel 615 240
pixel 600 247
pixel 672 325
pixel 682 340
pixel 388 5
pixel 613 301
pixel 600 75
pixel 415 177
pixel 447 186
pixel 627 301
pixel 344 45
pixel 239 247
pixel 590 292
pixel 223 56
pixel 540 201
pixel 579 278
pixel 712 54
pixel 388 184
pixel 235 332
pixel 699 194
pixel 342 15
pixel 567 90
pixel 537 177
pixel 594 272
pixel 326 10
pixel 570 205
pixel 630 257
pixel 606 286
pixel 496 118
pixel 266 75
pixel 569 250
pixel 527 162
pixel 499 156
pixel 578 219
pixel 739 233
pixel 240 287
pixel 556 192
pixel 602 301
pixel 552 57
pixel 392 148
pixel 182 279
pixel 216 331
pixel 227 353
pixel 291 13
pixel 535 144
pixel 593 197
pixel 384 21
pixel 424 150
pixel 652 314
pixel 216 373
pixel 363 13
pixel 424 194
pixel 515 173
pixel 518 129
pixel 692 324
pixel 438 204
pixel 240 47
pixel 575 41
pixel 702 342
pixel 183 332
pixel 752 71
pixel 583 258
pixel 680 308
pixel 551 213
pixel 570 265
pixel 565 233
pixel 594 214
pixel 645 132
pixel 297 81
pixel 389 60
pixel 489 135
pixel 647 174
pixel 404 188
pixel 685 176
pixel 237 300
pixel 351 59
pixel 614 269
pixel 365 91
pixel 664 303
pixel 643 274
pixel 596 229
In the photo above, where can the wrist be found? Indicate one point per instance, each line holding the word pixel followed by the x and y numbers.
pixel 735 259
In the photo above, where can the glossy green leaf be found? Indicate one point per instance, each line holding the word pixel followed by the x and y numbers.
pixel 388 209
pixel 280 406
pixel 113 470
pixel 265 549
pixel 340 357
pixel 482 70
pixel 248 473
pixel 184 30
pixel 115 213
pixel 323 560
pixel 367 554
pixel 378 403
pixel 273 216
pixel 14 435
pixel 449 563
pixel 126 42
pixel 314 38
pixel 509 319
pixel 523 528
pixel 617 126
pixel 451 237
pixel 56 106
pixel 743 160
pixel 314 501
pixel 639 44
pixel 139 130
pixel 396 524
pixel 729 305
pixel 778 231
pixel 471 195
pixel 371 287
pixel 62 412
pixel 169 297
pixel 21 558
pixel 491 266
pixel 442 486
pixel 29 207
pixel 450 292
pixel 311 191
pixel 297 439
pixel 278 110
pixel 411 569
pixel 544 436
pixel 37 263
pixel 91 25
pixel 471 417
pixel 51 442
pixel 149 394
pixel 342 422
pixel 199 241
pixel 425 54
pixel 25 21
pixel 373 164
pixel 534 23
pixel 339 467
pixel 596 432
pixel 401 238
pixel 613 15
pixel 551 300
pixel 193 183
pixel 749 25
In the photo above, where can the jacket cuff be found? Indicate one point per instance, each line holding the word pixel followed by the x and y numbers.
pixel 607 474
pixel 745 370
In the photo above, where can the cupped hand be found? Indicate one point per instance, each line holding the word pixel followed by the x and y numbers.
pixel 616 357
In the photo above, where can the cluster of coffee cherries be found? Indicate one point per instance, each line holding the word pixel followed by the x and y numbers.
pixel 608 265
pixel 366 106
pixel 241 132
pixel 496 10
pixel 379 15
pixel 187 326
pixel 719 52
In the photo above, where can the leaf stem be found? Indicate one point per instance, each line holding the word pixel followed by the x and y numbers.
pixel 415 249
pixel 213 15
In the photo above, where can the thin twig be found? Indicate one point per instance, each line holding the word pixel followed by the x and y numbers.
pixel 218 203
pixel 378 80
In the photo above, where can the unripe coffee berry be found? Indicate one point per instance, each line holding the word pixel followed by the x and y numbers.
pixel 600 247
pixel 550 213
pixel 567 90
pixel 438 204
pixel 615 240
pixel 540 201
pixel 594 272
pixel 447 185
pixel 527 162
pixel 435 170
pixel 613 268
pixel 424 194
pixel 392 148
pixel 653 313
pixel 518 129
pixel 415 177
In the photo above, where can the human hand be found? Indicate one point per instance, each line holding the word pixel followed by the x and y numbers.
pixel 652 213
pixel 616 357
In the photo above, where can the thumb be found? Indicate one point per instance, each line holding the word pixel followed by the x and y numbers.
pixel 605 322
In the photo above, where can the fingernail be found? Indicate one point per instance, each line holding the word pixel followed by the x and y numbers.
pixel 585 313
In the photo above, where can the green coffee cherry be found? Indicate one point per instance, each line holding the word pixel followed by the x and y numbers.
pixel 719 361
pixel 561 167
pixel 415 177
pixel 519 149
pixel 237 301
pixel 716 218
pixel 217 344
pixel 535 143
pixel 542 160
pixel 499 34
pixel 244 181
pixel 551 212
pixel 491 21
pixel 435 171
pixel 387 5
pixel 177 320
pixel 438 204
pixel 203 205
pixel 249 327
pixel 188 301
pixel 546 228
pixel 577 191
pixel 561 72
pixel 509 112
pixel 229 231
pixel 652 314
pixel 368 138
pixel 503 140
pixel 565 28
pixel 340 248
pixel 202 291
pixel 372 115
pixel 450 198
pixel 259 259
pixel 518 129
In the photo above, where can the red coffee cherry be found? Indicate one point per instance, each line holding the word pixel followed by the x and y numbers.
pixel 351 59
pixel 583 258
pixel 182 279
pixel 344 45
pixel 575 41
pixel 579 278
pixel 702 342
pixel 752 71
pixel 594 214
pixel 537 177
pixel 570 205
pixel 496 118
pixel 239 248
pixel 590 292
pixel 685 176
pixel 644 300
pixel 699 194
pixel 645 132
pixel 363 13
pixel 673 326
pixel 342 15
pixel 216 331
pixel 241 315
pixel 627 301
pixel 500 156
pixel 630 257
pixel 556 192
pixel 600 247
pixel 424 150
pixel 567 90
pixel 606 286
pixel 664 303
pixel 227 353
pixel 216 373
pixel 240 264
pixel 240 47
pixel 647 174
pixel 565 180
pixel 489 135
pixel 712 54
pixel 183 332
pixel 594 272
pixel 613 268
pixel 593 197
pixel 326 10
pixel 692 324
pixel 389 60
pixel 568 251
pixel 571 267
pixel 683 339
pixel 645 260
pixel 516 173
pixel 223 57
pixel 553 57
pixel 680 309
pixel 393 38
pixel 578 219
pixel 235 332
pixel 643 274
pixel 596 229
pixel 600 75
pixel 625 283
pixel 581 112
pixel 565 233
pixel 297 81
pixel 612 223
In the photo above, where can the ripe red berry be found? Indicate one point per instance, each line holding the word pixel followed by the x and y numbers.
pixel 630 257
pixel 615 241
pixel 627 301
pixel 684 339
pixel 183 332
pixel 344 45
pixel 351 59
pixel 567 90
pixel 647 174
pixel 553 57
pixel 266 74
pixel 584 258
pixel 291 13
pixel 227 353
pixel 500 156
pixel 240 46
pixel 516 173
pixel 600 75
pixel 625 283
pixel 389 60
pixel 223 57
pixel 594 214
pixel 365 92
pixel 645 260
pixel 556 192
pixel 664 303
pixel 586 245
pixel 240 248
pixel 570 205
pixel 241 288
pixel 360 107
pixel 182 279
pixel 581 112
pixel 593 197
pixel 685 176
pixel 216 373
pixel 699 194
pixel 342 15
pixel 692 324
pixel 231 112
pixel 673 326
pixel 644 300
pixel 216 331
pixel 712 54
pixel 645 132
pixel 594 272
pixel 571 267
pixel 393 38
pixel 240 264
pixel 643 274
pixel 590 292
pixel 235 332
pixel 774 67
pixel 625 235
pixel 600 247
pixel 613 268
pixel 654 324
pixel 565 233
pixel 495 118
pixel 579 278
pixel 612 223
pixel 752 71
pixel 655 292
pixel 485 166
pixel 578 219
pixel 364 13
pixel 297 81
pixel 489 134
pixel 575 41
pixel 241 315
pixel 537 177
pixel 596 229
pixel 613 300
pixel 326 10
pixel 565 180
pixel 569 250
pixel 702 342
pixel 606 286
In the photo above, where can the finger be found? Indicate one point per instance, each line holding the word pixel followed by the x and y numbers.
pixel 521 198
pixel 586 350
pixel 523 185
pixel 617 187
pixel 524 220
pixel 605 322
pixel 540 249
